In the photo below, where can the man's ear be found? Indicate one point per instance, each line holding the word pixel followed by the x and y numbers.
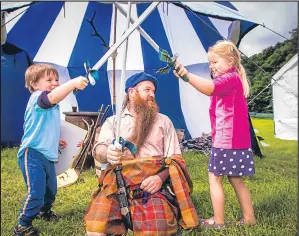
pixel 131 92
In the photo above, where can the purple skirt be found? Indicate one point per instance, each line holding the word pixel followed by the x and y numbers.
pixel 231 162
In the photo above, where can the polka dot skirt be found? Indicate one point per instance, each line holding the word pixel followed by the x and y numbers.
pixel 231 162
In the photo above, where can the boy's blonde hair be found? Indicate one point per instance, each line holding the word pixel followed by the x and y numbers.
pixel 229 51
pixel 37 71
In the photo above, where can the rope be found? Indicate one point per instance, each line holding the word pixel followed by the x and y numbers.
pixel 189 9
pixel 274 32
pixel 18 14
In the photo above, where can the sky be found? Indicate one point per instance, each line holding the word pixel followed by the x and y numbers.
pixel 281 17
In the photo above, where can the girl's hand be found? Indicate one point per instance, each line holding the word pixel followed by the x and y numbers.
pixel 182 70
pixel 62 144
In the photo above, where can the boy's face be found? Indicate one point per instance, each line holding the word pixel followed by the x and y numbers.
pixel 218 65
pixel 46 83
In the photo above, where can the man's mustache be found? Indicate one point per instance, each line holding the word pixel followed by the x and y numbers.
pixel 151 99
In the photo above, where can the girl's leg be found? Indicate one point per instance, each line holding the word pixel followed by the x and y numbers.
pixel 217 197
pixel 244 198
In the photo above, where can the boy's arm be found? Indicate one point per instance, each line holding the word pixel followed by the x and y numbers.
pixel 60 92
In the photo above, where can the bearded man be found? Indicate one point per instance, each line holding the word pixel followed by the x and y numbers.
pixel 156 179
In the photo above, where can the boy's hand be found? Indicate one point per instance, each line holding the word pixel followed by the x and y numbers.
pixel 62 144
pixel 80 82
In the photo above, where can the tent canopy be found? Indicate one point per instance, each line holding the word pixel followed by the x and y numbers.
pixel 285 100
pixel 60 33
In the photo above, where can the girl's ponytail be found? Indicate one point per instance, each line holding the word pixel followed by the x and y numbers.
pixel 244 80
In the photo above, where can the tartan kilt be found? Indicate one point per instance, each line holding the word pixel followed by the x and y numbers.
pixel 156 217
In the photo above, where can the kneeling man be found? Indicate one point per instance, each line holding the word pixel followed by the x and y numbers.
pixel 157 184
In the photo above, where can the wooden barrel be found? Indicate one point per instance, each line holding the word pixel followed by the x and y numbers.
pixel 75 118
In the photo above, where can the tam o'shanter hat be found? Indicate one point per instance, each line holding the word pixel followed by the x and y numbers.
pixel 139 77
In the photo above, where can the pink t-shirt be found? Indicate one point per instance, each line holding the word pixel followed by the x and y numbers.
pixel 229 113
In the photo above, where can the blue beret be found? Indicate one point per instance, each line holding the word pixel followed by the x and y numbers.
pixel 139 77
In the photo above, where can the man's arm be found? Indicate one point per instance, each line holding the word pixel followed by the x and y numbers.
pixel 100 153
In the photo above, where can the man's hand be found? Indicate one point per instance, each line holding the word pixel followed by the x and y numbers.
pixel 151 184
pixel 62 144
pixel 113 155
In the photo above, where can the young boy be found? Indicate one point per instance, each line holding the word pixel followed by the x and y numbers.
pixel 40 143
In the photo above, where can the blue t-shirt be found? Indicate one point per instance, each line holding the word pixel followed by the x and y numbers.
pixel 41 127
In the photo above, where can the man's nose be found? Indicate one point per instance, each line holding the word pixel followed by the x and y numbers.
pixel 152 93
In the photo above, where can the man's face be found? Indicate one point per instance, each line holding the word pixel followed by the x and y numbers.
pixel 145 90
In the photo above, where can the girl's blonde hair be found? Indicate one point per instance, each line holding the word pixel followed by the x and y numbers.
pixel 229 51
pixel 37 71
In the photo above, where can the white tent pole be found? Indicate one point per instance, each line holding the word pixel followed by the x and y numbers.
pixel 127 33
pixel 122 80
pixel 139 28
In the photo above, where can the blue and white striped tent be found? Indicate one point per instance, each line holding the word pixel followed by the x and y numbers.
pixel 59 33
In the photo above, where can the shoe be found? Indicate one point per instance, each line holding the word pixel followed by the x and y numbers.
pixel 20 230
pixel 49 216
pixel 210 223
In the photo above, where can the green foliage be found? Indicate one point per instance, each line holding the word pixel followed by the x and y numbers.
pixel 270 60
pixel 273 189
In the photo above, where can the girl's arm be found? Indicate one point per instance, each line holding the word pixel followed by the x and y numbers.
pixel 202 85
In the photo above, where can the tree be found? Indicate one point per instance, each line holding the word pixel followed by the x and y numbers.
pixel 270 60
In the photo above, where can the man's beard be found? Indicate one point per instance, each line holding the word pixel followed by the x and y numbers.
pixel 146 113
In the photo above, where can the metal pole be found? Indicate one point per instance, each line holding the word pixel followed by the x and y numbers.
pixel 128 32
pixel 114 62
pixel 122 80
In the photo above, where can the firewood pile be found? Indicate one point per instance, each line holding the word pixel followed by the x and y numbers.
pixel 202 144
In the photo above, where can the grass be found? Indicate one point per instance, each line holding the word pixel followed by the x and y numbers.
pixel 273 189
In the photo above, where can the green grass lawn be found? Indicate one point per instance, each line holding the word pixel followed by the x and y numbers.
pixel 273 189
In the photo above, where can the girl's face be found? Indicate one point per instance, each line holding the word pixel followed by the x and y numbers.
pixel 218 65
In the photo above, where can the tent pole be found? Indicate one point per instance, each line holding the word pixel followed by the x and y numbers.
pixel 127 33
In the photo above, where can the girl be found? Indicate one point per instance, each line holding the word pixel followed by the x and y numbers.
pixel 231 154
